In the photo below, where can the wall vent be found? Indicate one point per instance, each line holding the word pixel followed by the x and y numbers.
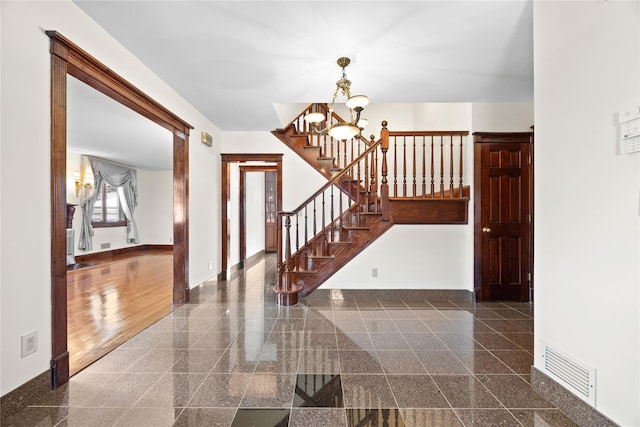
pixel 569 372
pixel 105 245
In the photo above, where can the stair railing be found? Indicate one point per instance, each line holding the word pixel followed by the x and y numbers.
pixel 344 152
pixel 427 164
pixel 322 219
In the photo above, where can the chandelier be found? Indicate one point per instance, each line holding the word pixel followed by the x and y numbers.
pixel 341 131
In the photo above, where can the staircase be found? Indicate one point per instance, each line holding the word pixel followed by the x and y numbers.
pixel 358 203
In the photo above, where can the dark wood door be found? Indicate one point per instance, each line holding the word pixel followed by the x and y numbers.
pixel 270 212
pixel 503 216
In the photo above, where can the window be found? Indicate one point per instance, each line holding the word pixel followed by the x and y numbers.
pixel 107 211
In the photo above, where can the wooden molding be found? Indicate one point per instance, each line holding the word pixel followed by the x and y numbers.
pixel 106 255
pixel 68 58
pixel 225 195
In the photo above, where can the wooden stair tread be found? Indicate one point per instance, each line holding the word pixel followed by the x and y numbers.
pixel 327 257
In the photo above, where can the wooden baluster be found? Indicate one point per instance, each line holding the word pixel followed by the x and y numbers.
pixel 451 167
pixel 306 225
pixel 366 184
pixel 384 188
pixel 404 166
pixel 424 166
pixel 460 185
pixel 441 166
pixel 340 212
pixel 323 151
pixel 344 158
pixel 349 220
pixel 332 216
pixel 357 191
pixel 279 248
pixel 352 144
pixel 337 142
pixel 395 167
pixel 372 183
pixel 324 223
pixel 307 249
pixel 331 151
pixel 315 219
pixel 433 183
pixel 415 187
pixel 376 205
pixel 297 233
pixel 287 255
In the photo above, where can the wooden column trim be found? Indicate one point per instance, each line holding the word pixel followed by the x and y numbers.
pixel 68 58
pixel 59 350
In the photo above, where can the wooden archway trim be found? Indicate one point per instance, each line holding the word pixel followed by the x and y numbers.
pixel 68 58
pixel 225 193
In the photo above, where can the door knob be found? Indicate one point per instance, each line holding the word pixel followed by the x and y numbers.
pixel 486 230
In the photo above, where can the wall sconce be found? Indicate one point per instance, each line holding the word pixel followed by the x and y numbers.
pixel 76 179
pixel 206 139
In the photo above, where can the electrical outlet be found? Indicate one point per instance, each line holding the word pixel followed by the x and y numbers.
pixel 29 344
pixel 374 272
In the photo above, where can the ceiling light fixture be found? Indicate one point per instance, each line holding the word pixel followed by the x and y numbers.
pixel 356 104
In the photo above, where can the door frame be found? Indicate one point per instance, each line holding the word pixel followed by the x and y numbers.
pixel 243 204
pixel 69 59
pixel 499 137
pixel 225 195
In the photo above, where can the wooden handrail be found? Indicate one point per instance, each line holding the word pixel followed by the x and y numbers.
pixel 429 133
pixel 331 182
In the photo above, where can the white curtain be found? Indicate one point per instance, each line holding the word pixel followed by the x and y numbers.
pixel 118 176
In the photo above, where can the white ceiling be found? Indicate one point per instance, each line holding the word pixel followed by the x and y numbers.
pixel 239 62
pixel 234 60
pixel 101 127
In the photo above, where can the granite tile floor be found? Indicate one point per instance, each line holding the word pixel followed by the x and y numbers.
pixel 231 357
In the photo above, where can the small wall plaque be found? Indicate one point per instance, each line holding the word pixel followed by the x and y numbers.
pixel 206 139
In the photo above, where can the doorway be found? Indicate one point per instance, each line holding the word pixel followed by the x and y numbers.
pixel 272 163
pixel 68 59
pixel 503 216
pixel 268 204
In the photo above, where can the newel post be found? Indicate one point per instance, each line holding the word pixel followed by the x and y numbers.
pixel 286 291
pixel 384 186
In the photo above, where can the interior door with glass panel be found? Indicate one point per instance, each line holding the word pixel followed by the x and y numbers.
pixel 270 212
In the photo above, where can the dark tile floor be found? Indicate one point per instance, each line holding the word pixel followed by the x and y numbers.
pixel 233 358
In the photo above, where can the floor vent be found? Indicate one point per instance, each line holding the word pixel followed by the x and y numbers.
pixel 570 373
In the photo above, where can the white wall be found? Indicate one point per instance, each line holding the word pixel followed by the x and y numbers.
pixel 502 117
pixel 254 188
pixel 299 179
pixel 154 215
pixel 411 257
pixel 587 68
pixel 25 282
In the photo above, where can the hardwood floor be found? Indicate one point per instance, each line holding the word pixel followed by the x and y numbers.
pixel 115 299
